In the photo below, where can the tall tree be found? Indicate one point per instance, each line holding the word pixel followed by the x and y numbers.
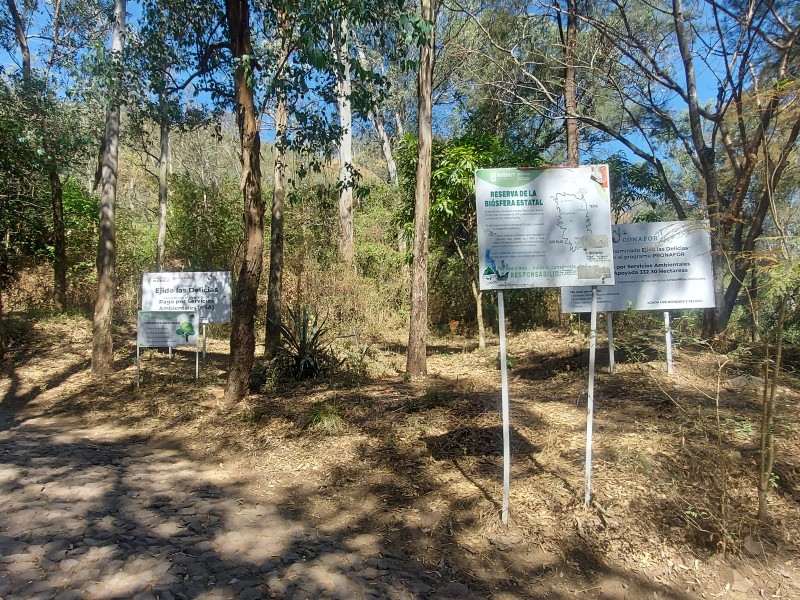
pixel 344 91
pixel 729 134
pixel 61 34
pixel 570 99
pixel 242 341
pixel 177 45
pixel 102 342
pixel 275 284
pixel 416 358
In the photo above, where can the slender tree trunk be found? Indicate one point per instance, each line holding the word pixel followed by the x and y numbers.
pixel 416 360
pixel 386 146
pixel 478 295
pixel 380 129
pixel 398 123
pixel 343 91
pixel 102 343
pixel 22 39
pixel 275 285
pixel 570 101
pixel 768 414
pixel 161 244
pixel 2 328
pixel 59 240
pixel 243 340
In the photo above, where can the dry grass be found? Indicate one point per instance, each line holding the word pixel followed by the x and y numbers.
pixel 419 462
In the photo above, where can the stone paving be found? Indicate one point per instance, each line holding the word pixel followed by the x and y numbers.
pixel 100 513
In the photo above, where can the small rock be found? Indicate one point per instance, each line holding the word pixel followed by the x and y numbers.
pixel 753 547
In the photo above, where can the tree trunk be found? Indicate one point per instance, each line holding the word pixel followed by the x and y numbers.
pixel 2 328
pixel 343 92
pixel 386 146
pixel 416 360
pixel 570 102
pixel 478 295
pixel 161 244
pixel 274 288
pixel 398 123
pixel 243 340
pixel 59 240
pixel 377 122
pixel 767 461
pixel 102 343
pixel 22 39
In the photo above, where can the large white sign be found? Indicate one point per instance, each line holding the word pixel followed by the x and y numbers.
pixel 658 266
pixel 544 227
pixel 209 293
pixel 166 329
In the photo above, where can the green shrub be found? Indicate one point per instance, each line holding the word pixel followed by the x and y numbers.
pixel 305 343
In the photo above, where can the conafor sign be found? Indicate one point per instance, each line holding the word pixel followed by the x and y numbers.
pixel 208 293
pixel 657 266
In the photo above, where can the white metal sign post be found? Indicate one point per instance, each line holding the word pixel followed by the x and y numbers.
pixel 167 329
pixel 541 227
pixel 668 337
pixel 590 398
pixel 505 407
pixel 610 328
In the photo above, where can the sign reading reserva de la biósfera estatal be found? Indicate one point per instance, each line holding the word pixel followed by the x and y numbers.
pixel 544 227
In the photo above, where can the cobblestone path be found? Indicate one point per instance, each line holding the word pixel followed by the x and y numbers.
pixel 100 513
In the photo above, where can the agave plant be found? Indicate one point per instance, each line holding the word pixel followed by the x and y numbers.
pixel 304 342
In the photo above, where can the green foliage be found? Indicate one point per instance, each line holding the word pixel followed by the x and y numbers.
pixel 635 187
pixel 325 416
pixel 304 342
pixel 376 233
pixel 453 220
pixel 453 164
pixel 204 224
pixel 530 308
pixel 41 134
pixel 80 222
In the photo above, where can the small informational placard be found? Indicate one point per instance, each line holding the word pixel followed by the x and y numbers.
pixel 167 329
pixel 544 227
pixel 658 266
pixel 208 293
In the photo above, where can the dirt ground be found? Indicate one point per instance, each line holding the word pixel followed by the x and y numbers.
pixel 418 464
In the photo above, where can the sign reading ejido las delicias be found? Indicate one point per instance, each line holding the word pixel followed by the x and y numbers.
pixel 208 293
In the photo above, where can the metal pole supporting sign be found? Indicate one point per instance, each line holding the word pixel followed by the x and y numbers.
pixel 668 336
pixel 612 367
pixel 590 397
pixel 505 408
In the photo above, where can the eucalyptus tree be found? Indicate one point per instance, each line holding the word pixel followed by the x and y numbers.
pixel 48 41
pixel 102 342
pixel 416 355
pixel 291 70
pixel 178 46
pixel 312 49
pixel 697 90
